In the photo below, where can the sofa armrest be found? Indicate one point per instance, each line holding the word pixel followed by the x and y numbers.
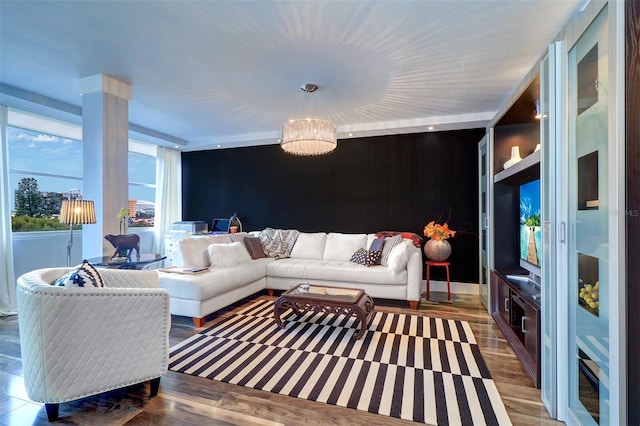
pixel 414 274
pixel 78 342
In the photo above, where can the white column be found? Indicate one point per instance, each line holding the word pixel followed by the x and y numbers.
pixel 105 134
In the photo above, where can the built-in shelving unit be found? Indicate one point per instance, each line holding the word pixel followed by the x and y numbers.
pixel 513 307
pixel 527 167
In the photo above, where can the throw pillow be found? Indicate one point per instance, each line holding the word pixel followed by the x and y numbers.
pixel 83 275
pixel 389 244
pixel 399 257
pixel 254 247
pixel 377 244
pixel 230 254
pixel 417 239
pixel 193 250
pixel 366 257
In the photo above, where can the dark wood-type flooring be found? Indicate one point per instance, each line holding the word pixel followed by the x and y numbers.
pixel 189 400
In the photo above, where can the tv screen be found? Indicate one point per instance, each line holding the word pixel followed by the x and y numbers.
pixel 530 230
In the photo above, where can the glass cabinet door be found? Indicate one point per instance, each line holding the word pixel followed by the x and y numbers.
pixel 549 105
pixel 588 242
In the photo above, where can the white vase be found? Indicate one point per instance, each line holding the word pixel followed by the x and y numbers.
pixel 437 250
pixel 515 157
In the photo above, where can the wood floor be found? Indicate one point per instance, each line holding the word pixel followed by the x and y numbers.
pixel 189 400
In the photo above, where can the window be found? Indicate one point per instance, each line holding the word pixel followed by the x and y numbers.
pixel 142 183
pixel 45 162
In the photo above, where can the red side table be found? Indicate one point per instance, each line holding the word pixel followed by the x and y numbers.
pixel 431 263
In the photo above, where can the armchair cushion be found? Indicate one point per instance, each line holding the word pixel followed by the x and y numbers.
pixel 83 275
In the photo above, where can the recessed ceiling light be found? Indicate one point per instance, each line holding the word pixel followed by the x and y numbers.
pixel 350 134
pixel 218 146
pixel 279 140
pixel 176 146
pixel 430 127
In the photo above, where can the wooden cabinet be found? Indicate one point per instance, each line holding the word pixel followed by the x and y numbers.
pixel 502 300
pixel 519 320
pixel 530 324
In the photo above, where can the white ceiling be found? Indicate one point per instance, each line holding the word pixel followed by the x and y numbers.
pixel 228 72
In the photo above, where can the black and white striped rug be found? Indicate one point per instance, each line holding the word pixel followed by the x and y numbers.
pixel 416 368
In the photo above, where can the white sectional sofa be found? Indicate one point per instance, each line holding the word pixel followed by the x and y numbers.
pixel 318 258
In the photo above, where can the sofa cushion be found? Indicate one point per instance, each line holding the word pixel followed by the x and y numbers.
pixel 309 246
pixel 399 256
pixel 239 236
pixel 389 244
pixel 254 247
pixel 194 251
pixel 342 246
pixel 307 270
pixel 366 257
pixel 230 254
pixel 83 275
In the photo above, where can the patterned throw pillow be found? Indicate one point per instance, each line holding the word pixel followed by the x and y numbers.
pixel 389 244
pixel 83 275
pixel 365 257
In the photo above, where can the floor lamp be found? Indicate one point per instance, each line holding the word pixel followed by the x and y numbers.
pixel 76 212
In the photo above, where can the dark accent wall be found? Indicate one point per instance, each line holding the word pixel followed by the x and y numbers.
pixel 632 107
pixel 398 183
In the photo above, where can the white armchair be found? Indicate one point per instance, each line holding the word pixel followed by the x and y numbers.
pixel 78 342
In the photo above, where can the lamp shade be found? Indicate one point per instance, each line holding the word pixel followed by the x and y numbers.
pixel 308 136
pixel 75 212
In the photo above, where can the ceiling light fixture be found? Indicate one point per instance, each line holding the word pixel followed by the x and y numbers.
pixel 309 136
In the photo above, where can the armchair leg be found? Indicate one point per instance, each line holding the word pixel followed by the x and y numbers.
pixel 270 292
pixel 155 385
pixel 199 322
pixel 52 411
pixel 413 304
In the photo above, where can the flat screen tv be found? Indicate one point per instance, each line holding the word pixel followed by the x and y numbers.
pixel 530 227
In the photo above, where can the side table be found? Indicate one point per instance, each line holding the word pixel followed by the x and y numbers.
pixel 133 261
pixel 431 263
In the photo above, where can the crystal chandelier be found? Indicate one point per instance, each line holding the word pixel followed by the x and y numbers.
pixel 308 136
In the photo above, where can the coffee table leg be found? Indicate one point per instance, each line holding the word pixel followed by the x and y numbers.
pixel 277 310
pixel 363 324
pixel 365 315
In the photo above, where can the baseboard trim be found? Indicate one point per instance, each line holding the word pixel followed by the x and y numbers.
pixel 456 287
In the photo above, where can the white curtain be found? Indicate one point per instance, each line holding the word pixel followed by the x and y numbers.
pixel 7 278
pixel 168 194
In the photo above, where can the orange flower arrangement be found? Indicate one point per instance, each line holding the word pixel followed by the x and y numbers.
pixel 438 232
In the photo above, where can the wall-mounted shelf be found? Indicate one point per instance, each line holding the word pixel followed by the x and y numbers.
pixel 531 161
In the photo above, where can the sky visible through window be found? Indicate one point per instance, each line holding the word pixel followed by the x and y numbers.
pixel 43 153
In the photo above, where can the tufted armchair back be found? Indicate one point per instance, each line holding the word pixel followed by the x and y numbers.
pixel 78 342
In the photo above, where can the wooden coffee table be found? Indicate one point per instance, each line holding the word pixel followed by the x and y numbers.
pixel 318 298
